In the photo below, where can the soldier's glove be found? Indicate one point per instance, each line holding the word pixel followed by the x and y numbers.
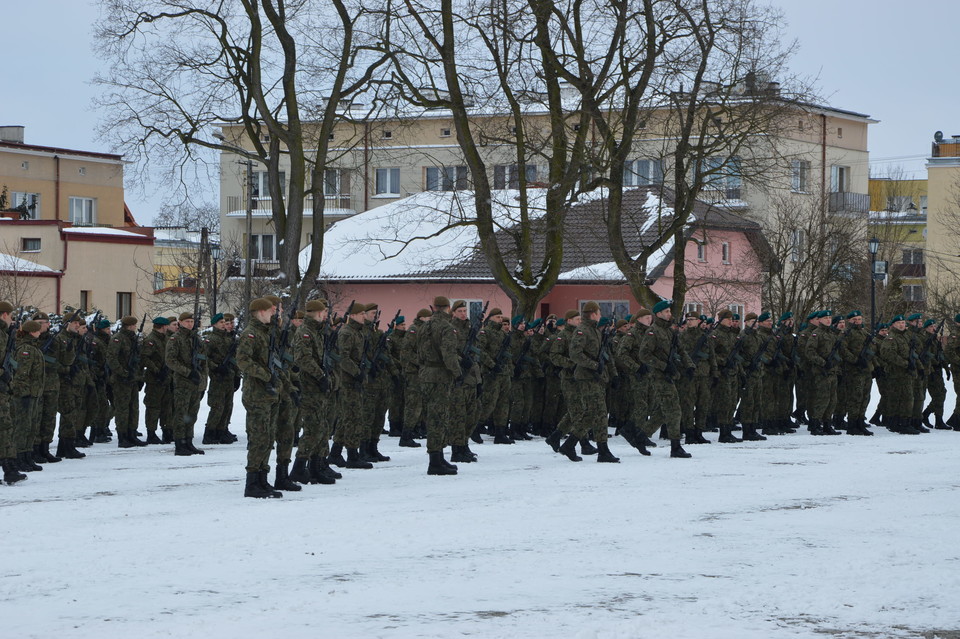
pixel 194 377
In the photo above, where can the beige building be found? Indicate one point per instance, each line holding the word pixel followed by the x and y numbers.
pixel 943 225
pixel 66 236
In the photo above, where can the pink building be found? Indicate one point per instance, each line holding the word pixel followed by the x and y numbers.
pixel 404 254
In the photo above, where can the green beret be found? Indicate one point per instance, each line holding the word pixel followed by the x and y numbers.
pixel 813 315
pixel 662 305
pixel 604 321
pixel 561 322
pixel 836 320
pixel 881 326
pixel 441 302
pixel 823 314
pixel 401 319
pixel 898 318
pixel 854 314
pixel 516 320
pixel 104 323
pixel 785 317
pixel 216 318
pixel 708 320
pixel 736 317
pixel 535 324
pixel 913 317
pixel 161 321
pixel 957 318
pixel 260 304
pixel 628 317
pixel 929 322
pixel 802 327
pixel 763 317
pixel 591 307
pixel 31 326
pixel 6 307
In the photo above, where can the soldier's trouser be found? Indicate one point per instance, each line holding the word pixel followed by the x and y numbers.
pixel 186 399
pixel 167 408
pixel 396 407
pixel 412 402
pixel 220 400
pixel 316 420
pixel 521 400
pixel 496 399
pixel 640 402
pixel 91 407
pixel 725 398
pixel 694 402
pixel 937 390
pixel 538 389
pixel 552 401
pixel 750 399
pixel 664 406
pixel 593 408
pixel 349 431
pixel 154 398
pixel 286 427
pixel 824 400
pixel 464 413
pixel 127 406
pixel 769 399
pixel 104 411
pixel 376 400
pixel 919 394
pixel 48 414
pixel 437 400
pixel 956 387
pixel 8 444
pixel 23 415
pixel 785 389
pixel 71 409
pixel 261 426
pixel 570 419
pixel 883 385
pixel 858 384
pixel 899 395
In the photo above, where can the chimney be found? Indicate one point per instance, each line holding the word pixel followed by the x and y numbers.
pixel 13 133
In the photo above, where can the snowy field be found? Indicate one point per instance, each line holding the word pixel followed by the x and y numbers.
pixel 793 537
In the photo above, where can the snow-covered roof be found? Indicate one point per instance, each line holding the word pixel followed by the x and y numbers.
pixel 101 230
pixel 20 265
pixel 430 236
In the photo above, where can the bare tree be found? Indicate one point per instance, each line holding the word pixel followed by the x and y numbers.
pixel 190 216
pixel 18 285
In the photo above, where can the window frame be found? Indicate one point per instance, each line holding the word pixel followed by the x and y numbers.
pixel 23 245
pixel 725 254
pixel 74 200
pixel 445 178
pixel 124 303
pixel 387 181
pixel 800 176
pixel 623 306
pixel 22 197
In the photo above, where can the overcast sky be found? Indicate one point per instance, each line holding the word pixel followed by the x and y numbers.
pixel 890 59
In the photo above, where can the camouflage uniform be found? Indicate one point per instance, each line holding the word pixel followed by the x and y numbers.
pixel 823 366
pixel 439 367
pixel 50 398
pixel 900 371
pixel 377 387
pixel 103 409
pixel 857 376
pixel 560 358
pixel 260 401
pixel 724 392
pixel 410 366
pixel 318 390
pixel 951 354
pixel 934 362
pixel 350 429
pixel 187 392
pixel 592 409
pixel 525 370
pixel 72 382
pixel 465 407
pixel 495 407
pixel 25 389
pixel 158 398
pixel 665 361
pixel 126 384
pixel 396 409
pixel 224 378
pixel 695 391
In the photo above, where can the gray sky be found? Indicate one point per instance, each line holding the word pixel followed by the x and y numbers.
pixel 889 59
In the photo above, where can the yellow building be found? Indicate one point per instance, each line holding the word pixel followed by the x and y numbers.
pixel 943 225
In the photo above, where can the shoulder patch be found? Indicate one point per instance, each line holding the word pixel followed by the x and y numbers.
pixel 251 336
pixel 579 332
pixel 649 332
pixel 25 353
pixel 305 336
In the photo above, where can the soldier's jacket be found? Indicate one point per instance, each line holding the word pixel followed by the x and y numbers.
pixel 179 358
pixel 655 350
pixel 853 346
pixel 818 348
pixel 153 356
pixel 535 352
pixel 118 356
pixel 543 353
pixel 308 354
pixel 560 351
pixel 916 340
pixel 895 354
pixel 68 367
pixel 489 341
pixel 471 377
pixel 217 348
pixel 724 339
pixel 350 343
pixel 252 355
pixel 100 368
pixel 51 361
pixel 585 350
pixel 407 349
pixel 28 379
pixel 931 355
pixel 952 349
pixel 437 350
pixel 527 366
pixel 395 346
pixel 704 360
pixel 788 350
pixel 762 338
pixel 801 348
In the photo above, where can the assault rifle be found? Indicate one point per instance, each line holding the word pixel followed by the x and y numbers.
pixel 502 353
pixel 758 356
pixel 230 358
pixel 912 357
pixel 699 354
pixel 379 352
pixel 673 356
pixel 733 358
pixel 279 340
pixel 330 355
pixel 470 349
pixel 933 341
pixel 9 363
pixel 833 357
pixel 603 355
pixel 133 364
pixel 866 352
pixel 524 349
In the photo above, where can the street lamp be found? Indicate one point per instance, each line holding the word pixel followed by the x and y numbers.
pixel 215 252
pixel 873 246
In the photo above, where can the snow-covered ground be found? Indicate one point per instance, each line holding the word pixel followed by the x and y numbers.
pixel 793 537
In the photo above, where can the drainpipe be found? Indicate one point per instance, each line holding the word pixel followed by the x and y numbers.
pixel 56 198
pixel 366 165
pixel 823 162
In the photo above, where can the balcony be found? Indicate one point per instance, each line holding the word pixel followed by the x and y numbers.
pixel 729 197
pixel 909 270
pixel 333 205
pixel 849 203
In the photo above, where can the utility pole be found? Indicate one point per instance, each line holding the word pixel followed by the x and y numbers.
pixel 248 257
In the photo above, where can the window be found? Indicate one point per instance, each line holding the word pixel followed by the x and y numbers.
pixel 800 176
pixel 737 309
pixel 642 172
pixel 261 184
pixel 29 244
pixel 913 256
pixel 85 300
pixel 27 203
pixel 913 293
pixel 693 307
pixel 83 211
pixel 446 178
pixel 263 247
pixel 25 165
pixel 839 131
pixel 474 308
pixel 839 179
pixel 702 251
pixel 388 135
pixel 610 308
pixel 725 252
pixel 923 204
pixel 507 176
pixel 444 133
pixel 722 179
pixel 899 203
pixel 388 182
pixel 124 304
pixel 159 281
pixel 82 170
pixel 797 240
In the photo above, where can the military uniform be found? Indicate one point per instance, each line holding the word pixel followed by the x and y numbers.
pixel 525 370
pixel 350 428
pixel 952 357
pixel 859 351
pixel 224 382
pixel 50 399
pixel 900 369
pixel 439 367
pixel 822 352
pixel 158 398
pixel 934 361
pixel 695 391
pixel 102 406
pixel 396 409
pixel 261 402
pixel 412 397
pixel 376 390
pixel 72 383
pixel 25 389
pixel 497 374
pixel 590 384
pixel 318 386
pixel 127 375
pixel 727 381
pixel 189 382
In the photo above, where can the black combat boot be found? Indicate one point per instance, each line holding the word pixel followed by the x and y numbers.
pixel 712 426
pixel 326 470
pixel 210 437
pixel 300 474
pixel 800 417
pixel 166 436
pixel 439 466
pixel 152 438
pixel 906 426
pixel 518 432
pixel 365 455
pixel 475 435
pixel 468 455
pixel 663 432
pixel 604 455
pixel 940 424
pixel 689 437
pixel 10 473
pixel 123 442
pixel 188 442
pixel 407 440
pixel 645 440
pixel 815 427
pixel 954 420
pixel 336 456
pixel 750 434
pixel 875 420
pixel 569 448
pixel 355 461
pixel 226 437
pixel 45 450
pixel 553 440
pixel 676 450
pixel 500 436
pixel 455 454
pixel 586 448
pixel 265 485
pixel 180 448
pixel 282 480
pixel 634 437
pixel 727 436
pixel 38 456
pixel 394 428
pixel 317 468
pixel 699 438
pixel 66 449
pixel 81 440
pixel 917 423
pixel 374 453
pixel 26 463
pixel 253 488
pixel 132 438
